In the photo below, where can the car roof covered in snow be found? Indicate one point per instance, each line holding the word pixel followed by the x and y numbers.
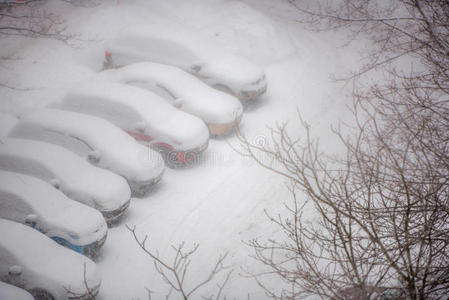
pixel 119 152
pixel 76 178
pixel 175 45
pixel 7 122
pixel 161 120
pixel 57 214
pixel 196 97
pixel 49 266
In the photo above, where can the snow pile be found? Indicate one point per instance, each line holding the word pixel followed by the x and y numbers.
pixel 75 177
pixel 57 215
pixel 194 96
pixel 117 151
pixel 50 266
pixel 133 108
pixel 240 28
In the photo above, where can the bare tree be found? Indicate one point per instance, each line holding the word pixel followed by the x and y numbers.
pixel 381 215
pixel 176 273
pixel 397 28
pixel 28 18
pixel 381 210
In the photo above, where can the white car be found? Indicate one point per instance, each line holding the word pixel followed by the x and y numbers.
pixel 8 291
pixel 73 175
pixel 34 262
pixel 34 202
pixel 187 50
pixel 147 117
pixel 221 111
pixel 7 122
pixel 101 142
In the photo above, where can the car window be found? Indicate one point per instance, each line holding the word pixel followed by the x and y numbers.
pixel 156 88
pixel 13 208
pixel 26 166
pixel 31 131
pixel 117 113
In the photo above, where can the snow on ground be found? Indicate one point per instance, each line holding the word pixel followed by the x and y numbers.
pixel 220 202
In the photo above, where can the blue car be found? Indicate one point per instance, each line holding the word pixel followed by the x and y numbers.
pixel 31 201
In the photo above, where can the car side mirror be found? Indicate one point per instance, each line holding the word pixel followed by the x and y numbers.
pixel 15 270
pixel 94 156
pixel 140 126
pixel 178 102
pixel 31 220
pixel 196 67
pixel 55 183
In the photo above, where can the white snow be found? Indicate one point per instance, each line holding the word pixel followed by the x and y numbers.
pixel 177 46
pixel 78 179
pixel 49 266
pixel 220 202
pixel 7 122
pixel 193 95
pixel 130 107
pixel 118 152
pixel 57 215
pixel 8 291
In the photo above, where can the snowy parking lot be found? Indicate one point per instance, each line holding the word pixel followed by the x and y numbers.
pixel 219 202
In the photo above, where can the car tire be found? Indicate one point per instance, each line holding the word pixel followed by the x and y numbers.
pixel 40 294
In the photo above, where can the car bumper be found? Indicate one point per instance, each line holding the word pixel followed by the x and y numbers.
pixel 217 130
pixel 89 250
pixel 140 188
pixel 92 249
pixel 175 158
pixel 251 95
pixel 114 215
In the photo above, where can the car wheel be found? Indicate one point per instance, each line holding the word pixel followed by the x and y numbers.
pixel 40 294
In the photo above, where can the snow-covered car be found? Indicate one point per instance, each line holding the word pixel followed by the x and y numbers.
pixel 70 173
pixel 34 262
pixel 187 50
pixel 101 142
pixel 8 291
pixel 179 136
pixel 7 122
pixel 34 202
pixel 221 111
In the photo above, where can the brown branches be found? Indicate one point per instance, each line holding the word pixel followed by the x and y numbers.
pixel 175 273
pixel 29 18
pixel 89 293
pixel 380 210
pixel 412 28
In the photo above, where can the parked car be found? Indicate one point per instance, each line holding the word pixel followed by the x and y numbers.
pixel 180 137
pixel 187 50
pixel 7 122
pixel 101 142
pixel 8 291
pixel 34 262
pixel 220 111
pixel 34 202
pixel 73 175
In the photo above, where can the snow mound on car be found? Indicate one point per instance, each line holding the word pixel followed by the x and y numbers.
pixel 57 214
pixel 77 178
pixel 119 152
